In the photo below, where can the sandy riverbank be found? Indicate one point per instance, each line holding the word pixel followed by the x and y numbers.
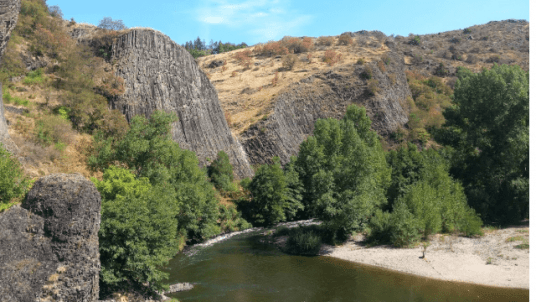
pixel 450 258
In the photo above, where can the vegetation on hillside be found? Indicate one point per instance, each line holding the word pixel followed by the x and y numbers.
pixel 156 198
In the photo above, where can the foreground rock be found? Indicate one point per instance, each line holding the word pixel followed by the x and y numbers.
pixel 49 248
pixel 161 75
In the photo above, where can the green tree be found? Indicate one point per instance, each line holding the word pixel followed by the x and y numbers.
pixel 221 174
pixel 138 229
pixel 488 127
pixel 13 182
pixel 148 151
pixel 344 172
pixel 271 200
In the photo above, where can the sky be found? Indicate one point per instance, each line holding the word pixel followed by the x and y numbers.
pixel 259 21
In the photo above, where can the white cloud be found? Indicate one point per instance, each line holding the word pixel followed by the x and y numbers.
pixel 264 19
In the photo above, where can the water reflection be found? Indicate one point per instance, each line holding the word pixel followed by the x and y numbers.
pixel 243 269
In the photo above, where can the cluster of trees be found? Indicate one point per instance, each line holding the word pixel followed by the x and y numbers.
pixel 154 195
pixel 343 177
pixel 111 24
pixel 198 48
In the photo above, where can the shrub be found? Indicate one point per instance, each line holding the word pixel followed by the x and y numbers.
pixel 230 219
pixel 416 40
pixel 381 66
pixel 13 182
pixel 373 87
pixel 367 73
pixel 441 70
pixel 110 24
pixel 138 229
pixel 34 77
pixel 271 199
pixel 380 227
pixel 289 61
pixel 386 59
pixel 55 11
pixel 243 58
pixel 303 241
pixel 274 48
pixel 275 79
pixel 331 57
pixel 324 41
pixel 467 31
pixel 392 78
pixel 346 40
pixel 404 227
pixel 360 61
pixel 221 173
pixel 53 129
pixel 297 45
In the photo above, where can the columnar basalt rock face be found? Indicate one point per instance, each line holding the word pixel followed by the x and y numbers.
pixel 9 13
pixel 161 75
pixel 327 95
pixel 49 246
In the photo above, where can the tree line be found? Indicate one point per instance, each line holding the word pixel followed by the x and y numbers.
pixel 198 48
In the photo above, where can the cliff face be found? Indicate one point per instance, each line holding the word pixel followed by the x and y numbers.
pixel 49 246
pixel 9 13
pixel 325 95
pixel 161 75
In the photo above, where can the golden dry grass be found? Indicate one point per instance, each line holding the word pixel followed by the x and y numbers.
pixel 247 109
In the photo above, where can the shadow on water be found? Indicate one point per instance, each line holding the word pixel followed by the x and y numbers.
pixel 242 269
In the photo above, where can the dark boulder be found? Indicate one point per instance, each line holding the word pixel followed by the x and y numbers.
pixel 49 246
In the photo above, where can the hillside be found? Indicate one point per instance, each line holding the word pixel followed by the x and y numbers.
pixel 270 99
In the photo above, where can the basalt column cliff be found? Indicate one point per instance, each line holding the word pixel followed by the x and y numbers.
pixel 161 75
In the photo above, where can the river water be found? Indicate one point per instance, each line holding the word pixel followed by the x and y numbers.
pixel 242 269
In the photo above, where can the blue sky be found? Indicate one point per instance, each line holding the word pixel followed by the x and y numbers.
pixel 254 21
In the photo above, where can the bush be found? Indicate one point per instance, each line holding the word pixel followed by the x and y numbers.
pixel 274 48
pixel 367 73
pixel 416 40
pixel 110 24
pixel 297 45
pixel 55 11
pixel 221 174
pixel 404 227
pixel 373 87
pixel 230 219
pixel 325 41
pixel 386 59
pixel 34 77
pixel 138 229
pixel 243 57
pixel 289 61
pixel 381 66
pixel 380 227
pixel 303 241
pixel 346 40
pixel 13 182
pixel 360 61
pixel 53 129
pixel 331 57
pixel 271 199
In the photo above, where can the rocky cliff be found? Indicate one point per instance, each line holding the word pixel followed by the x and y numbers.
pixel 49 248
pixel 9 13
pixel 161 75
pixel 325 95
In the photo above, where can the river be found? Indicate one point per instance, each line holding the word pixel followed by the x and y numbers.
pixel 242 269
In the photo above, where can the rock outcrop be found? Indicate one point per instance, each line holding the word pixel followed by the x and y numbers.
pixel 327 95
pixel 9 13
pixel 49 246
pixel 161 75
